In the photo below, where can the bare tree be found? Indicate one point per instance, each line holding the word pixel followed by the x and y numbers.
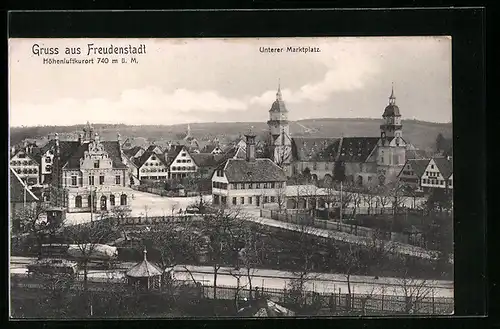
pixel 251 255
pixel 383 197
pixel 303 262
pixel 220 227
pixel 281 199
pixel 414 290
pixel 87 237
pixel 369 198
pixel 33 221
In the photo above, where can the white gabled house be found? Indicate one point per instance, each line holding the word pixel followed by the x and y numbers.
pixel 437 174
pixel 181 163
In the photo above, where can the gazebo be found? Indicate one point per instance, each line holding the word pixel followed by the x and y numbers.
pixel 145 275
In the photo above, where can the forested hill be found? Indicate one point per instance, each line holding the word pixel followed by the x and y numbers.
pixel 420 133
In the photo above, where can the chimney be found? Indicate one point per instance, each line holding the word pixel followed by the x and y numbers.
pixel 250 147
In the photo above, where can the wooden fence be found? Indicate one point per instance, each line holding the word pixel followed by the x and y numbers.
pixel 341 302
pixel 305 218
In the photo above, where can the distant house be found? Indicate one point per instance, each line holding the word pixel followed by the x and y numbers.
pixel 134 152
pixel 249 181
pixel 21 197
pixel 180 162
pixel 26 164
pixel 206 163
pixel 151 165
pixel 212 149
pixel 438 174
pixel 412 172
pixel 154 149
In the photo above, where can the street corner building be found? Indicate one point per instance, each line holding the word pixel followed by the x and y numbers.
pixel 249 181
pixel 363 160
pixel 88 174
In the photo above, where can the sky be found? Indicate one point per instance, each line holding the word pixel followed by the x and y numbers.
pixel 180 81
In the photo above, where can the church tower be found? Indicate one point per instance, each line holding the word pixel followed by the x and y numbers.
pixel 280 141
pixel 391 127
pixel 391 147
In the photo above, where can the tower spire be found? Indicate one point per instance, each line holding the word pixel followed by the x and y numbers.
pixel 278 93
pixel 392 98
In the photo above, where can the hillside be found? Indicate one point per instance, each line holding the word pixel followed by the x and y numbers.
pixel 420 133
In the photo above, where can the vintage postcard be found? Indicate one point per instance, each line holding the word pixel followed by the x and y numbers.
pixel 244 177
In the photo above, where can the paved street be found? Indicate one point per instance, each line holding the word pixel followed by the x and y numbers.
pixel 142 203
pixel 319 282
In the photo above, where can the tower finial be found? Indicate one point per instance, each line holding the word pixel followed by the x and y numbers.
pixel 278 93
pixel 392 98
pixel 145 252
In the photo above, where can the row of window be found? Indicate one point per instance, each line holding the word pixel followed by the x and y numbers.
pixel 432 174
pixel 152 164
pixel 22 163
pixel 251 200
pixel 74 180
pixel 183 161
pixel 153 170
pixel 26 171
pixel 183 168
pixel 436 182
pixel 243 186
pixel 103 199
pixel 219 185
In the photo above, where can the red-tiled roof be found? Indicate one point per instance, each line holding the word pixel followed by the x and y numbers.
pixel 260 170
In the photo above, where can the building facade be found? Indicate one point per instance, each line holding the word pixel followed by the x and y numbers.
pixel 90 173
pixel 248 182
pixel 438 174
pixel 26 164
pixel 412 173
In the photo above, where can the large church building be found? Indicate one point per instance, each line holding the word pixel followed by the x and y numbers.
pixel 364 160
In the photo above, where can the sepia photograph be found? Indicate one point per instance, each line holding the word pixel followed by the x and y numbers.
pixel 230 177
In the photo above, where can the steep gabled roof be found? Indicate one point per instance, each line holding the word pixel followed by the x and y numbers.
pixel 133 151
pixel 174 152
pixel 206 160
pixel 139 162
pixel 417 165
pixel 72 153
pixel 356 149
pixel 260 170
pixel 445 166
pixel 18 189
pixel 314 149
pixel 152 147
